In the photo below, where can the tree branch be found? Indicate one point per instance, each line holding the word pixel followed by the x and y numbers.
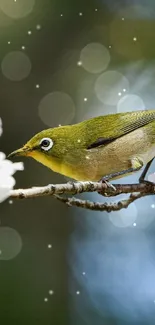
pixel 137 190
pixel 97 206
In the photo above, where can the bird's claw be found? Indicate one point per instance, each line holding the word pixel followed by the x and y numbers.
pixel 109 185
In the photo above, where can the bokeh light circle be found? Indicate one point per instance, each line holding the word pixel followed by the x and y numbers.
pixel 151 177
pixel 5 21
pixel 95 57
pixel 10 243
pixel 124 217
pixel 109 86
pixel 16 66
pixel 146 211
pixel 92 107
pixel 56 108
pixel 130 103
pixel 17 9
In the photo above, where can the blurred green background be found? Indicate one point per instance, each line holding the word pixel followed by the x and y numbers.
pixel 63 62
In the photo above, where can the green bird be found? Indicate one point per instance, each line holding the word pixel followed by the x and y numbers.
pixel 102 147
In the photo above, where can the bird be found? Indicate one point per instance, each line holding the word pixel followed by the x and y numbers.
pixel 100 148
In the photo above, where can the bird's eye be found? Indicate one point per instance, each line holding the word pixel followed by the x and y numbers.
pixel 46 144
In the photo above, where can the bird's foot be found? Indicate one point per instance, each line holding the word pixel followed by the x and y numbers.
pixel 108 184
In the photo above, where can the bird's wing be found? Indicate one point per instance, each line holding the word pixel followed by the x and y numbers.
pixel 112 127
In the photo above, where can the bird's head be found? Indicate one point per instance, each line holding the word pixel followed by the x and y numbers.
pixel 50 147
pixel 42 143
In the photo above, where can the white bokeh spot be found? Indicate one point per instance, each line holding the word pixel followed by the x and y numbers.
pixel 95 57
pixel 130 103
pixel 125 217
pixel 10 243
pixel 16 66
pixel 151 177
pixel 57 104
pixel 17 9
pixel 108 85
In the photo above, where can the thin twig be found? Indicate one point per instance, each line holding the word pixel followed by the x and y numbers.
pixel 97 206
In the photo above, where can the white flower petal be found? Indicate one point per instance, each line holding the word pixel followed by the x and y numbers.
pixel 2 156
pixel 7 181
pixel 4 193
pixel 6 167
pixel 18 166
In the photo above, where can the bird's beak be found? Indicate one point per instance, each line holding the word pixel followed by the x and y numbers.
pixel 19 152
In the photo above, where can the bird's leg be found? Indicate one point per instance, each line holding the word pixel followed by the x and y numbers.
pixel 143 174
pixel 136 164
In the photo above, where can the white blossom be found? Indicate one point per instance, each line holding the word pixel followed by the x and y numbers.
pixel 7 170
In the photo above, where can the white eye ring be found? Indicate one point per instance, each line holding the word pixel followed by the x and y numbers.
pixel 46 144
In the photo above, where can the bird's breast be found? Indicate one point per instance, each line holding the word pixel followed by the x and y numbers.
pixel 55 164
